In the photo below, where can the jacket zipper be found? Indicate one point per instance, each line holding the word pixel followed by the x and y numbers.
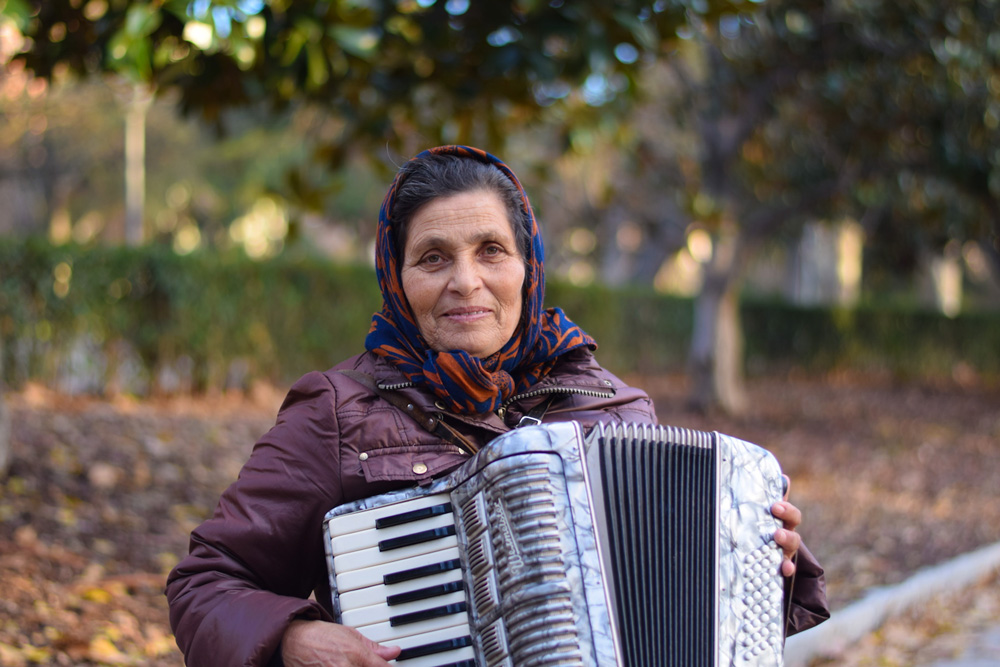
pixel 394 387
pixel 502 410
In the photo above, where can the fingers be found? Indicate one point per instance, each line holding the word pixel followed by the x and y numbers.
pixel 387 653
pixel 789 541
pixel 787 567
pixel 315 643
pixel 376 655
pixel 786 537
pixel 789 515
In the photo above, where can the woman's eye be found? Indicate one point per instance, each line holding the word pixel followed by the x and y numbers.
pixel 492 250
pixel 432 258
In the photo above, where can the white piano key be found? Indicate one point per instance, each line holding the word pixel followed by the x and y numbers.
pixel 452 632
pixel 365 539
pixel 386 633
pixel 364 597
pixel 372 576
pixel 438 659
pixel 371 557
pixel 365 519
pixel 381 612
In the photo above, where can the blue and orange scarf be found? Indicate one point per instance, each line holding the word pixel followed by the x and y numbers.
pixel 465 383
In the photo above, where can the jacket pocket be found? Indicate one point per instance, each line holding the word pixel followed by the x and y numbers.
pixel 413 463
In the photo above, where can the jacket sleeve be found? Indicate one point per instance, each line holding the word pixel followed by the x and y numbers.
pixel 253 564
pixel 805 593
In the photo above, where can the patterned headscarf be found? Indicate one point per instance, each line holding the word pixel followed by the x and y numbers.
pixel 465 383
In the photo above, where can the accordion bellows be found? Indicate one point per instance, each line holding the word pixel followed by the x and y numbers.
pixel 635 545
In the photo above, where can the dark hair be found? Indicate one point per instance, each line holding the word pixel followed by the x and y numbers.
pixel 433 176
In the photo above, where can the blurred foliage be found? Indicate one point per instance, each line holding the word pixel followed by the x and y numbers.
pixel 882 112
pixel 446 71
pixel 733 117
pixel 908 342
pixel 62 165
pixel 149 320
pixel 201 312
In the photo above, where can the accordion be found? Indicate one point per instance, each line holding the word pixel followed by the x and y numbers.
pixel 636 545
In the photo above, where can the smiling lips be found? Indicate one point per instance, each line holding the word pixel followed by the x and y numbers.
pixel 466 314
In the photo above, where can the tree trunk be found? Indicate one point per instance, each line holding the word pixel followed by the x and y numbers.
pixel 4 422
pixel 135 164
pixel 716 355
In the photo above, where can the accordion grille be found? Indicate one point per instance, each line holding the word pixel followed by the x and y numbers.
pixel 660 495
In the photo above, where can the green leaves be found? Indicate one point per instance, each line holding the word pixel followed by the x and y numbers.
pixel 130 49
pixel 19 11
pixel 377 64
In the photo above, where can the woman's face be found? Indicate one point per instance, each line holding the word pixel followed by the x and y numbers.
pixel 462 273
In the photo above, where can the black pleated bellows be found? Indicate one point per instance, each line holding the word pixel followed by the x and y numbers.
pixel 660 492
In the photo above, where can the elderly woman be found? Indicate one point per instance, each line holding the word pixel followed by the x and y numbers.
pixel 461 351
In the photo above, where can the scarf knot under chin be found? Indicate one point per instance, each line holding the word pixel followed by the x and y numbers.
pixel 470 385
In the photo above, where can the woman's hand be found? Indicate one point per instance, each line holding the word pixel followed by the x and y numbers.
pixel 322 644
pixel 786 537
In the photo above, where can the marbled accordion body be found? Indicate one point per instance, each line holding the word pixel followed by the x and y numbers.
pixel 635 546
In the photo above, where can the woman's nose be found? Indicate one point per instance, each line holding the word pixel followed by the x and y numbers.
pixel 465 276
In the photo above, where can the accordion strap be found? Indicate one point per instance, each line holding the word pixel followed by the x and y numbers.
pixel 433 424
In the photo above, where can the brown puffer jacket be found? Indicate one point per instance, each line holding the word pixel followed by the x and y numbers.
pixel 253 565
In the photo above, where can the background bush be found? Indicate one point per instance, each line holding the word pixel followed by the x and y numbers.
pixel 143 320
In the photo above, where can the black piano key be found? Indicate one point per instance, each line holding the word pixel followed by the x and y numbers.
pixel 462 663
pixel 413 515
pixel 436 647
pixel 416 538
pixel 427 614
pixel 424 593
pixel 422 571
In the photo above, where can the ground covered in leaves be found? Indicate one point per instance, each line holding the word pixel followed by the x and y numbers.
pixel 100 498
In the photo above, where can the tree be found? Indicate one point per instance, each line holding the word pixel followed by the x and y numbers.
pixel 883 112
pixel 405 73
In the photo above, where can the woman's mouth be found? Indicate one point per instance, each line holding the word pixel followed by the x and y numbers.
pixel 467 314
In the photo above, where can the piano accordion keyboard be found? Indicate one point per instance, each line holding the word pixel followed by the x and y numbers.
pixel 400 580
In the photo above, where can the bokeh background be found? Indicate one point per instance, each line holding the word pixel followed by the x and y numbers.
pixel 781 217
